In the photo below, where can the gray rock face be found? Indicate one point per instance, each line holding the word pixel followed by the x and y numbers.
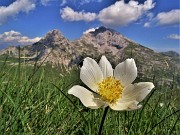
pixel 53 48
pixel 105 40
pixel 53 38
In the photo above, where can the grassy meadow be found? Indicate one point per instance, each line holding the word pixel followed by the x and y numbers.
pixel 34 101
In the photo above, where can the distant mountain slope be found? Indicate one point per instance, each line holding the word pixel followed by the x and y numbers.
pixel 171 53
pixel 56 49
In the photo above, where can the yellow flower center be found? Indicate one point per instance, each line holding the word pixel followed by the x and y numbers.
pixel 110 89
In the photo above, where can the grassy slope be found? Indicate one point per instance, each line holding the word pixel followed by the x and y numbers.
pixel 31 104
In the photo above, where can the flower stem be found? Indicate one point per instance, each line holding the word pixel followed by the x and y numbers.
pixel 102 120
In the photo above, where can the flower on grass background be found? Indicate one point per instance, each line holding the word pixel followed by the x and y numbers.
pixel 110 87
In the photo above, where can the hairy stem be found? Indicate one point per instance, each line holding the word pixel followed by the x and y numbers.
pixel 102 120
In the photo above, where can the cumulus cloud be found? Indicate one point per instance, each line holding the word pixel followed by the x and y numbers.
pixel 165 18
pixel 121 13
pixel 90 30
pixel 118 14
pixel 174 36
pixel 15 8
pixel 16 38
pixel 69 14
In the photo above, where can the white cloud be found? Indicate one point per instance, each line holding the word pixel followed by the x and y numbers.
pixel 90 30
pixel 69 14
pixel 121 13
pixel 16 38
pixel 15 8
pixel 168 18
pixel 174 36
pixel 147 24
pixel 118 14
pixel 165 18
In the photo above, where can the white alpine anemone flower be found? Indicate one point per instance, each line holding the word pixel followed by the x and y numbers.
pixel 110 87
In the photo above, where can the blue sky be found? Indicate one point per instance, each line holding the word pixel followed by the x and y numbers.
pixel 152 23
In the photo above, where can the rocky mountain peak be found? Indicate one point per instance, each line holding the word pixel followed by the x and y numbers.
pixel 52 38
pixel 105 39
pixel 103 29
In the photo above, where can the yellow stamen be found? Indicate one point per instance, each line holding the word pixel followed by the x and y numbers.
pixel 110 90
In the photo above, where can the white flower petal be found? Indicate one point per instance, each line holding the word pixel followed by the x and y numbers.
pixel 106 67
pixel 132 105
pixel 87 98
pixel 126 72
pixel 144 89
pixel 91 73
pixel 137 91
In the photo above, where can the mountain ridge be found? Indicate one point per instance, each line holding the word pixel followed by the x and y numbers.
pixel 56 49
pixel 171 53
